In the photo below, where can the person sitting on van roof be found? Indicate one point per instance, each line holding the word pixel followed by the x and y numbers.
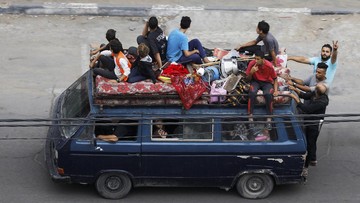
pixel 113 63
pixel 154 37
pixel 261 75
pixel 142 67
pixel 181 50
pixel 270 47
pixel 132 54
pixel 110 35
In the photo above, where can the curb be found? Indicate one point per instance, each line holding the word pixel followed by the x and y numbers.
pixel 115 10
pixel 74 9
pixel 335 12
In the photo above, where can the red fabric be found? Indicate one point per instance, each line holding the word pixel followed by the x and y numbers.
pixel 106 88
pixel 188 93
pixel 266 72
pixel 175 69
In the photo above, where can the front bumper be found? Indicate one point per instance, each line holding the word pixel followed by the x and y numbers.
pixel 52 169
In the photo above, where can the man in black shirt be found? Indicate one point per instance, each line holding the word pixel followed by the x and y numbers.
pixel 154 37
pixel 317 105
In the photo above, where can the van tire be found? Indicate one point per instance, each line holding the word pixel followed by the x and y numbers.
pixel 255 186
pixel 113 185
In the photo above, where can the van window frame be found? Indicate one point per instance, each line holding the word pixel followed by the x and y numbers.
pixel 135 120
pixel 273 133
pixel 71 125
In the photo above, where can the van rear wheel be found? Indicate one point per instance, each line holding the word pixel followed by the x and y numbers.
pixel 113 185
pixel 255 186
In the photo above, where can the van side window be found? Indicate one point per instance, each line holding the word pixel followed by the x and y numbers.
pixel 198 129
pixel 182 129
pixel 237 130
pixel 116 130
pixel 159 130
pixel 166 128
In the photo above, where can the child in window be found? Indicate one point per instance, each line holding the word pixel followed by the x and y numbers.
pixel 159 131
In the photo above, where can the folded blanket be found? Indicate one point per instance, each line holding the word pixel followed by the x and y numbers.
pixel 106 88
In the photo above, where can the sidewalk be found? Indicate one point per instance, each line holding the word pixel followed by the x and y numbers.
pixel 145 8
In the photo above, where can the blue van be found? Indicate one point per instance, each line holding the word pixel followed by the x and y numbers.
pixel 165 145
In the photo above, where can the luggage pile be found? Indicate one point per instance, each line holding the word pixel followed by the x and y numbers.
pixel 221 82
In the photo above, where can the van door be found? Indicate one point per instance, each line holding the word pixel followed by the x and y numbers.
pixel 181 157
pixel 90 157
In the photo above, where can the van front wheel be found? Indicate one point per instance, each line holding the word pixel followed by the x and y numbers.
pixel 255 186
pixel 113 185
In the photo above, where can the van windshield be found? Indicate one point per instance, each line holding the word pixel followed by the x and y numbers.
pixel 75 104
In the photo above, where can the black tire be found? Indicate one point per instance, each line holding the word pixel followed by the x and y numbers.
pixel 113 185
pixel 255 186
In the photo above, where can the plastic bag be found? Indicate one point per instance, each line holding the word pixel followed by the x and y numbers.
pixel 281 60
pixel 216 92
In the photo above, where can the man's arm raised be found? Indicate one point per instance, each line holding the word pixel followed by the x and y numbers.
pixel 334 53
pixel 299 59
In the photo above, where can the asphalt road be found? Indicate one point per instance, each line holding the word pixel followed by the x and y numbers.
pixel 42 55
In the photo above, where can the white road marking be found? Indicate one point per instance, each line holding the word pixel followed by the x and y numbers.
pixel 285 10
pixel 70 5
pixel 177 7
